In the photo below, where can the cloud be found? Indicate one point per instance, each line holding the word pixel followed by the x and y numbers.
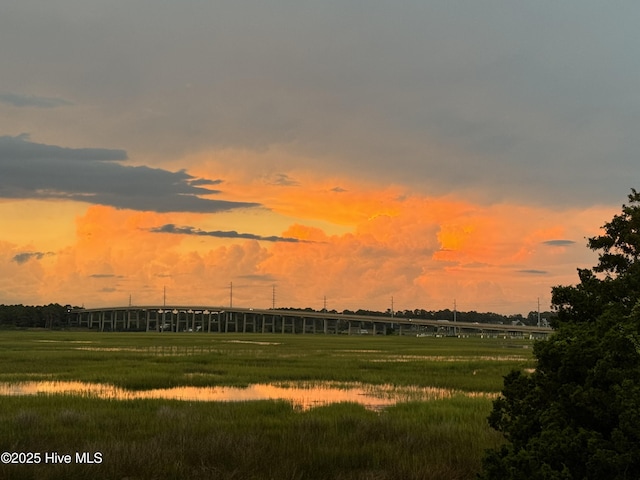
pixel 559 243
pixel 95 175
pixel 24 257
pixel 170 228
pixel 435 100
pixel 283 180
pixel 422 251
pixel 259 278
pixel 19 100
pixel 533 272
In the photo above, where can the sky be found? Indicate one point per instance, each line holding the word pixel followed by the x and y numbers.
pixel 350 154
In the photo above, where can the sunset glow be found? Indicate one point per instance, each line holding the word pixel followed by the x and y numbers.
pixel 406 153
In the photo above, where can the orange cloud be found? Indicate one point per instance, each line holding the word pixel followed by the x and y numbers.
pixel 431 250
pixel 114 255
pixel 364 244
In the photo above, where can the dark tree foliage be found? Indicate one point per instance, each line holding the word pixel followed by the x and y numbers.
pixel 578 415
pixel 25 316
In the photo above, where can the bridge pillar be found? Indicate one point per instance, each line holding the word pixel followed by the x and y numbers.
pixel 130 315
pixel 266 323
pixel 81 319
pixel 251 321
pixel 232 319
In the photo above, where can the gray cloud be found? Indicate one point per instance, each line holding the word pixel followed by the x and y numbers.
pixel 19 100
pixel 170 228
pixel 259 278
pixel 24 257
pixel 95 175
pixel 533 272
pixel 283 180
pixel 105 275
pixel 559 243
pixel 427 94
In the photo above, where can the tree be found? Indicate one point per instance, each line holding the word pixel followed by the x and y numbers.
pixel 577 416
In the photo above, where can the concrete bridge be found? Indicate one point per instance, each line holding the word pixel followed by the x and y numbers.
pixel 212 319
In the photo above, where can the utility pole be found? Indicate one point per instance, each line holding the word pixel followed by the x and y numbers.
pixel 164 296
pixel 273 297
pixel 538 311
pixel 392 311
pixel 455 310
pixel 324 305
pixel 455 314
pixel 230 294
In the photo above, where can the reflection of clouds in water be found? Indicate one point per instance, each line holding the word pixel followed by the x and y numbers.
pixel 302 395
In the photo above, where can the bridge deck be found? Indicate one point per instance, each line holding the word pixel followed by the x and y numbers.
pixel 248 320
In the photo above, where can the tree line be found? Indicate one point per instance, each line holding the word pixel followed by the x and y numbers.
pixel 25 316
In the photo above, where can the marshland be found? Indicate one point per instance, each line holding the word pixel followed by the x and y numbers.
pixel 327 406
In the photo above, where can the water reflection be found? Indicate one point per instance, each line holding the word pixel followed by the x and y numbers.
pixel 433 358
pixel 301 395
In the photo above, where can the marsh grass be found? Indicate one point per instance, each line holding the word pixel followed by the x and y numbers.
pixel 163 439
pixel 145 361
pixel 149 439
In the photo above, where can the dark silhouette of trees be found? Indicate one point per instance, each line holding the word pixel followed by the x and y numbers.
pixel 21 316
pixel 577 416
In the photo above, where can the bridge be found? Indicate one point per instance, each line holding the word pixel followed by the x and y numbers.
pixel 212 319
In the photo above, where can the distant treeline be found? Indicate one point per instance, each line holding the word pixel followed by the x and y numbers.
pixel 473 316
pixel 22 316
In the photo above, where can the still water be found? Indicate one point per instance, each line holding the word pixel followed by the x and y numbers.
pixel 301 395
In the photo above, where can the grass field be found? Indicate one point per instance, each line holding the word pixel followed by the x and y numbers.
pixel 148 439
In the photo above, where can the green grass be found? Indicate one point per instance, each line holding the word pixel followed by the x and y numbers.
pixel 149 439
pixel 161 439
pixel 144 361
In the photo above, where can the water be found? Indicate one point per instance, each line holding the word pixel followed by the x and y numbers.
pixel 301 395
